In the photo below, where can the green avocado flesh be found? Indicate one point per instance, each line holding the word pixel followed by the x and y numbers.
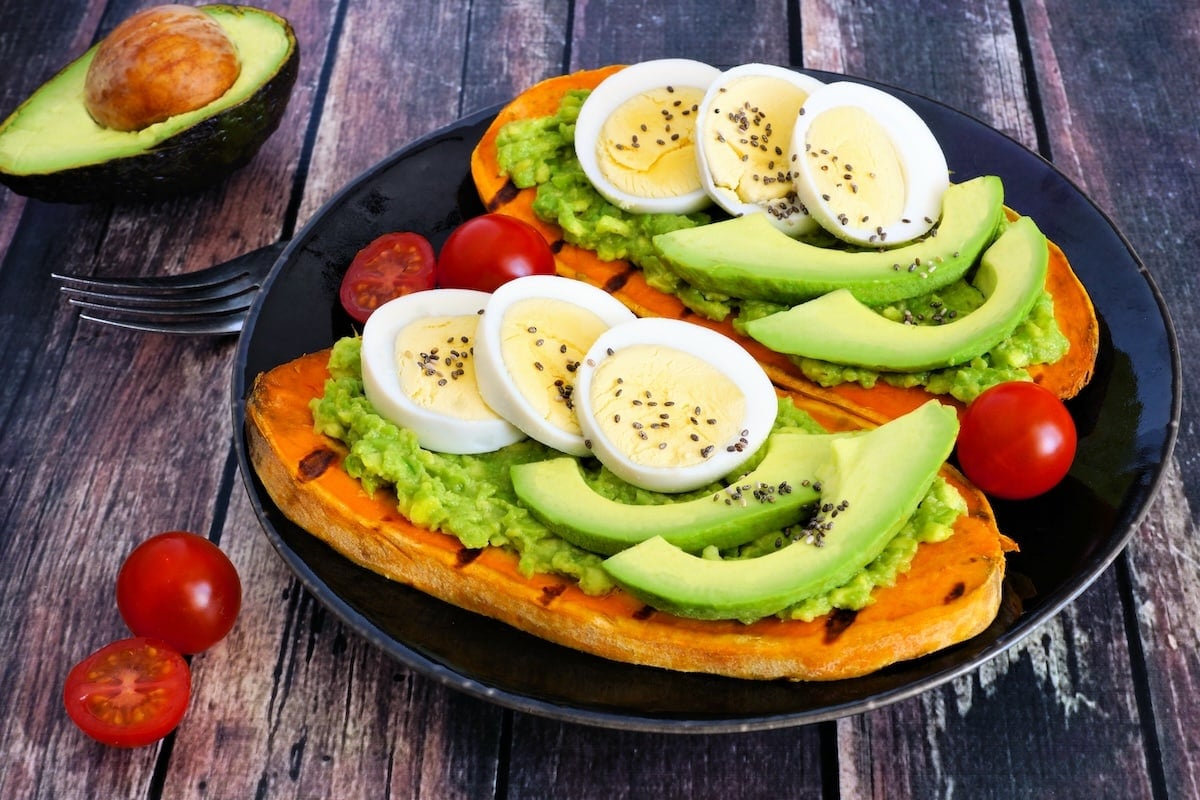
pixel 474 499
pixel 52 149
pixel 837 327
pixel 750 258
pixel 772 496
pixel 873 480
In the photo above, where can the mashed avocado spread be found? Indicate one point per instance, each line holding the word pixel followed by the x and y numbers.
pixel 540 153
pixel 472 497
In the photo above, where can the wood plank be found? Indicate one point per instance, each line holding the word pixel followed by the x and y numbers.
pixel 143 442
pixel 1125 144
pixel 962 54
pixel 1041 697
pixel 722 34
pixel 563 760
pixel 411 89
pixel 1043 720
pixel 524 43
pixel 339 718
pixel 295 704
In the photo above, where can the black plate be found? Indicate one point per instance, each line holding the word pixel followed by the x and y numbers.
pixel 1126 417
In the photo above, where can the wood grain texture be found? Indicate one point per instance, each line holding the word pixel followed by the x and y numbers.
pixel 107 436
pixel 298 706
pixel 1121 121
pixel 412 87
pixel 562 760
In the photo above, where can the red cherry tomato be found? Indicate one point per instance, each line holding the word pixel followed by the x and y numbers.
pixel 129 693
pixel 179 587
pixel 1016 440
pixel 487 251
pixel 394 264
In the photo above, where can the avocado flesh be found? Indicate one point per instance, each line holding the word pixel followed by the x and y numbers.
pixel 747 257
pixel 840 329
pixel 881 475
pixel 52 149
pixel 556 493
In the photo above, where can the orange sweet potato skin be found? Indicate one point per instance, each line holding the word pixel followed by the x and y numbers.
pixel 951 593
pixel 1073 308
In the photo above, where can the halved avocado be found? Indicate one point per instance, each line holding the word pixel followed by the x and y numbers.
pixel 51 148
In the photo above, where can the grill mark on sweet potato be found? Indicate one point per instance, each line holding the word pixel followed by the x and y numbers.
pixel 468 554
pixel 506 194
pixel 551 593
pixel 557 245
pixel 644 613
pixel 313 465
pixel 618 281
pixel 839 620
pixel 956 592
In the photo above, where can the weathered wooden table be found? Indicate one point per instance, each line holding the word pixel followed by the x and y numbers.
pixel 111 435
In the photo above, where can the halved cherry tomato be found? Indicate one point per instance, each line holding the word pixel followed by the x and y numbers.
pixel 130 693
pixel 181 588
pixel 1016 440
pixel 489 250
pixel 394 264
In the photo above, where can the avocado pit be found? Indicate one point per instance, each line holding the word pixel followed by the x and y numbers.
pixel 158 63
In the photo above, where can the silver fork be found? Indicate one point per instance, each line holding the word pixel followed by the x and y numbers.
pixel 214 300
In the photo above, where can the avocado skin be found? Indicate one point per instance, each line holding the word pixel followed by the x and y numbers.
pixel 196 157
pixel 749 258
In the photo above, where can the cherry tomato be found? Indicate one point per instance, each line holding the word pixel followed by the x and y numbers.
pixel 394 264
pixel 487 251
pixel 179 587
pixel 1016 440
pixel 129 693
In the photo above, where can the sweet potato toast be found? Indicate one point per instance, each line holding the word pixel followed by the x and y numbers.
pixel 1072 307
pixel 951 592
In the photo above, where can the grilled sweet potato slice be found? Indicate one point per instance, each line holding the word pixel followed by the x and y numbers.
pixel 1072 307
pixel 951 592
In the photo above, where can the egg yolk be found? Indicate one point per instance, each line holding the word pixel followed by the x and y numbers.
pixel 542 344
pixel 646 146
pixel 857 168
pixel 435 364
pixel 747 137
pixel 663 407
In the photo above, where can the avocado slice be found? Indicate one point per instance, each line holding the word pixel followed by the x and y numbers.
pixel 839 328
pixel 772 496
pixel 51 148
pixel 747 257
pixel 874 480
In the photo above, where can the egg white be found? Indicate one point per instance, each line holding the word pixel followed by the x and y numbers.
pixel 613 91
pixel 760 406
pixel 435 428
pixel 521 400
pixel 923 179
pixel 785 213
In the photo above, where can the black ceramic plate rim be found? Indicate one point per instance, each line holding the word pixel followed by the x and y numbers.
pixel 631 719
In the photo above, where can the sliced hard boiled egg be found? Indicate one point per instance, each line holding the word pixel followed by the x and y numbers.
pixel 530 342
pixel 671 406
pixel 635 136
pixel 868 168
pixel 418 368
pixel 744 142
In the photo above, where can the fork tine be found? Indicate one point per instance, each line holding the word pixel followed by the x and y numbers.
pixel 216 326
pixel 252 266
pixel 209 301
pixel 165 308
pixel 125 297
